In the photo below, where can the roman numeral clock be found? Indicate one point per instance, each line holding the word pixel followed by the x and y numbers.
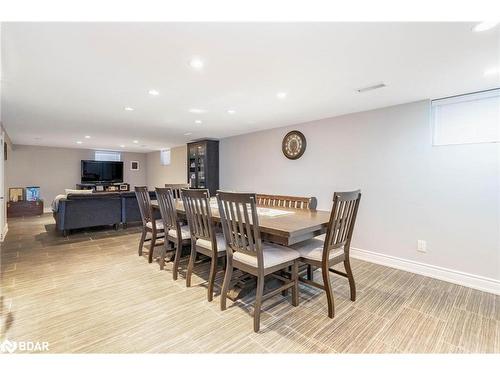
pixel 294 145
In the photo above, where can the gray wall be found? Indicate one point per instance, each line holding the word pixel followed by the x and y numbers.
pixel 448 195
pixel 56 169
pixel 176 173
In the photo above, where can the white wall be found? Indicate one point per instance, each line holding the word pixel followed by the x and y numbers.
pixel 55 169
pixel 176 173
pixel 448 196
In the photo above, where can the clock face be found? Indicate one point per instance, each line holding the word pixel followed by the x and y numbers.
pixel 294 145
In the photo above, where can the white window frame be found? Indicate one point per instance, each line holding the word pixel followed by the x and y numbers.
pixel 477 96
pixel 107 156
pixel 165 156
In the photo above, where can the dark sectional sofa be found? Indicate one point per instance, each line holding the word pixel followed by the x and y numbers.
pixel 90 210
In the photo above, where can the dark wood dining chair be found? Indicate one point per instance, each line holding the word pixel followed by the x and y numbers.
pixel 335 248
pixel 175 233
pixel 204 238
pixel 149 223
pixel 176 189
pixel 246 251
pixel 286 201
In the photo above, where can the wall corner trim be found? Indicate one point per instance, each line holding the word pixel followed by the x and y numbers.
pixel 482 283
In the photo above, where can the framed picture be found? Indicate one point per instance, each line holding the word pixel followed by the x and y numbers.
pixel 33 193
pixel 16 194
pixel 134 165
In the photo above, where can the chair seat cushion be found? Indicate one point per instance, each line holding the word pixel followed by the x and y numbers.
pixel 206 244
pixel 313 249
pixel 273 255
pixel 185 233
pixel 159 224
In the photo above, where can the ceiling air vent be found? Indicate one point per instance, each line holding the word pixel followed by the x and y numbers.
pixel 369 88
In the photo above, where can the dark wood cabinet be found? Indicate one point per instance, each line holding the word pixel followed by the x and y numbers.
pixel 24 208
pixel 203 165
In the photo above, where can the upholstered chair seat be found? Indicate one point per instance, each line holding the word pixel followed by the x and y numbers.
pixel 271 254
pixel 313 250
pixel 206 244
pixel 185 234
pixel 159 224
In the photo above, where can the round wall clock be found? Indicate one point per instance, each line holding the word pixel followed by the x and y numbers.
pixel 294 145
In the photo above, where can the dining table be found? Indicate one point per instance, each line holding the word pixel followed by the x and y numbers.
pixel 280 225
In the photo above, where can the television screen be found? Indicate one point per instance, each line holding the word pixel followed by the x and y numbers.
pixel 102 171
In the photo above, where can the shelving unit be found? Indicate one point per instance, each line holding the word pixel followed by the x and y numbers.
pixel 203 165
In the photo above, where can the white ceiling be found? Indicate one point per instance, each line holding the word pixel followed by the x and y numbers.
pixel 62 81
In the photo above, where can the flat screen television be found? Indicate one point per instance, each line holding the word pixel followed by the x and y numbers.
pixel 101 171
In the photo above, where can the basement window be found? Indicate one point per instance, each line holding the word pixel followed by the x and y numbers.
pixel 465 119
pixel 108 156
pixel 165 157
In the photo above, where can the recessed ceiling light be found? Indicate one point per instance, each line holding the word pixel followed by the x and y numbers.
pixel 281 95
pixel 188 133
pixel 87 137
pixel 486 25
pixel 79 142
pixel 197 110
pixel 491 72
pixel 153 92
pixel 136 141
pixel 129 109
pixel 122 146
pixel 196 63
pixel 198 121
pixel 231 111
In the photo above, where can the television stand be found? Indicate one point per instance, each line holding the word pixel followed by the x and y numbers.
pixel 104 187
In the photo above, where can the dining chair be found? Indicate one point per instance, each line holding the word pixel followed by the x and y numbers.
pixel 175 233
pixel 335 248
pixel 246 251
pixel 149 223
pixel 204 238
pixel 176 189
pixel 286 201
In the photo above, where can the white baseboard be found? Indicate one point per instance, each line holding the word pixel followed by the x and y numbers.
pixel 456 277
pixel 5 229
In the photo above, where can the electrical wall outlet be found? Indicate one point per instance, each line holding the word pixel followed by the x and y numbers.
pixel 422 246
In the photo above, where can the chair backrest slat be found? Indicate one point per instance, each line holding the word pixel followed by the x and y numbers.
pixel 286 201
pixel 240 224
pixel 342 219
pixel 176 189
pixel 144 202
pixel 198 212
pixel 166 203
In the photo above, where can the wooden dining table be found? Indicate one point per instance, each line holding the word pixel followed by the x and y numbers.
pixel 284 226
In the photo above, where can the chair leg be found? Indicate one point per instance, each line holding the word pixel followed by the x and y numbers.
pixel 350 277
pixel 328 289
pixel 141 242
pixel 225 285
pixel 152 248
pixel 258 303
pixel 211 278
pixel 178 250
pixel 295 279
pixel 163 254
pixel 310 272
pixel 190 267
